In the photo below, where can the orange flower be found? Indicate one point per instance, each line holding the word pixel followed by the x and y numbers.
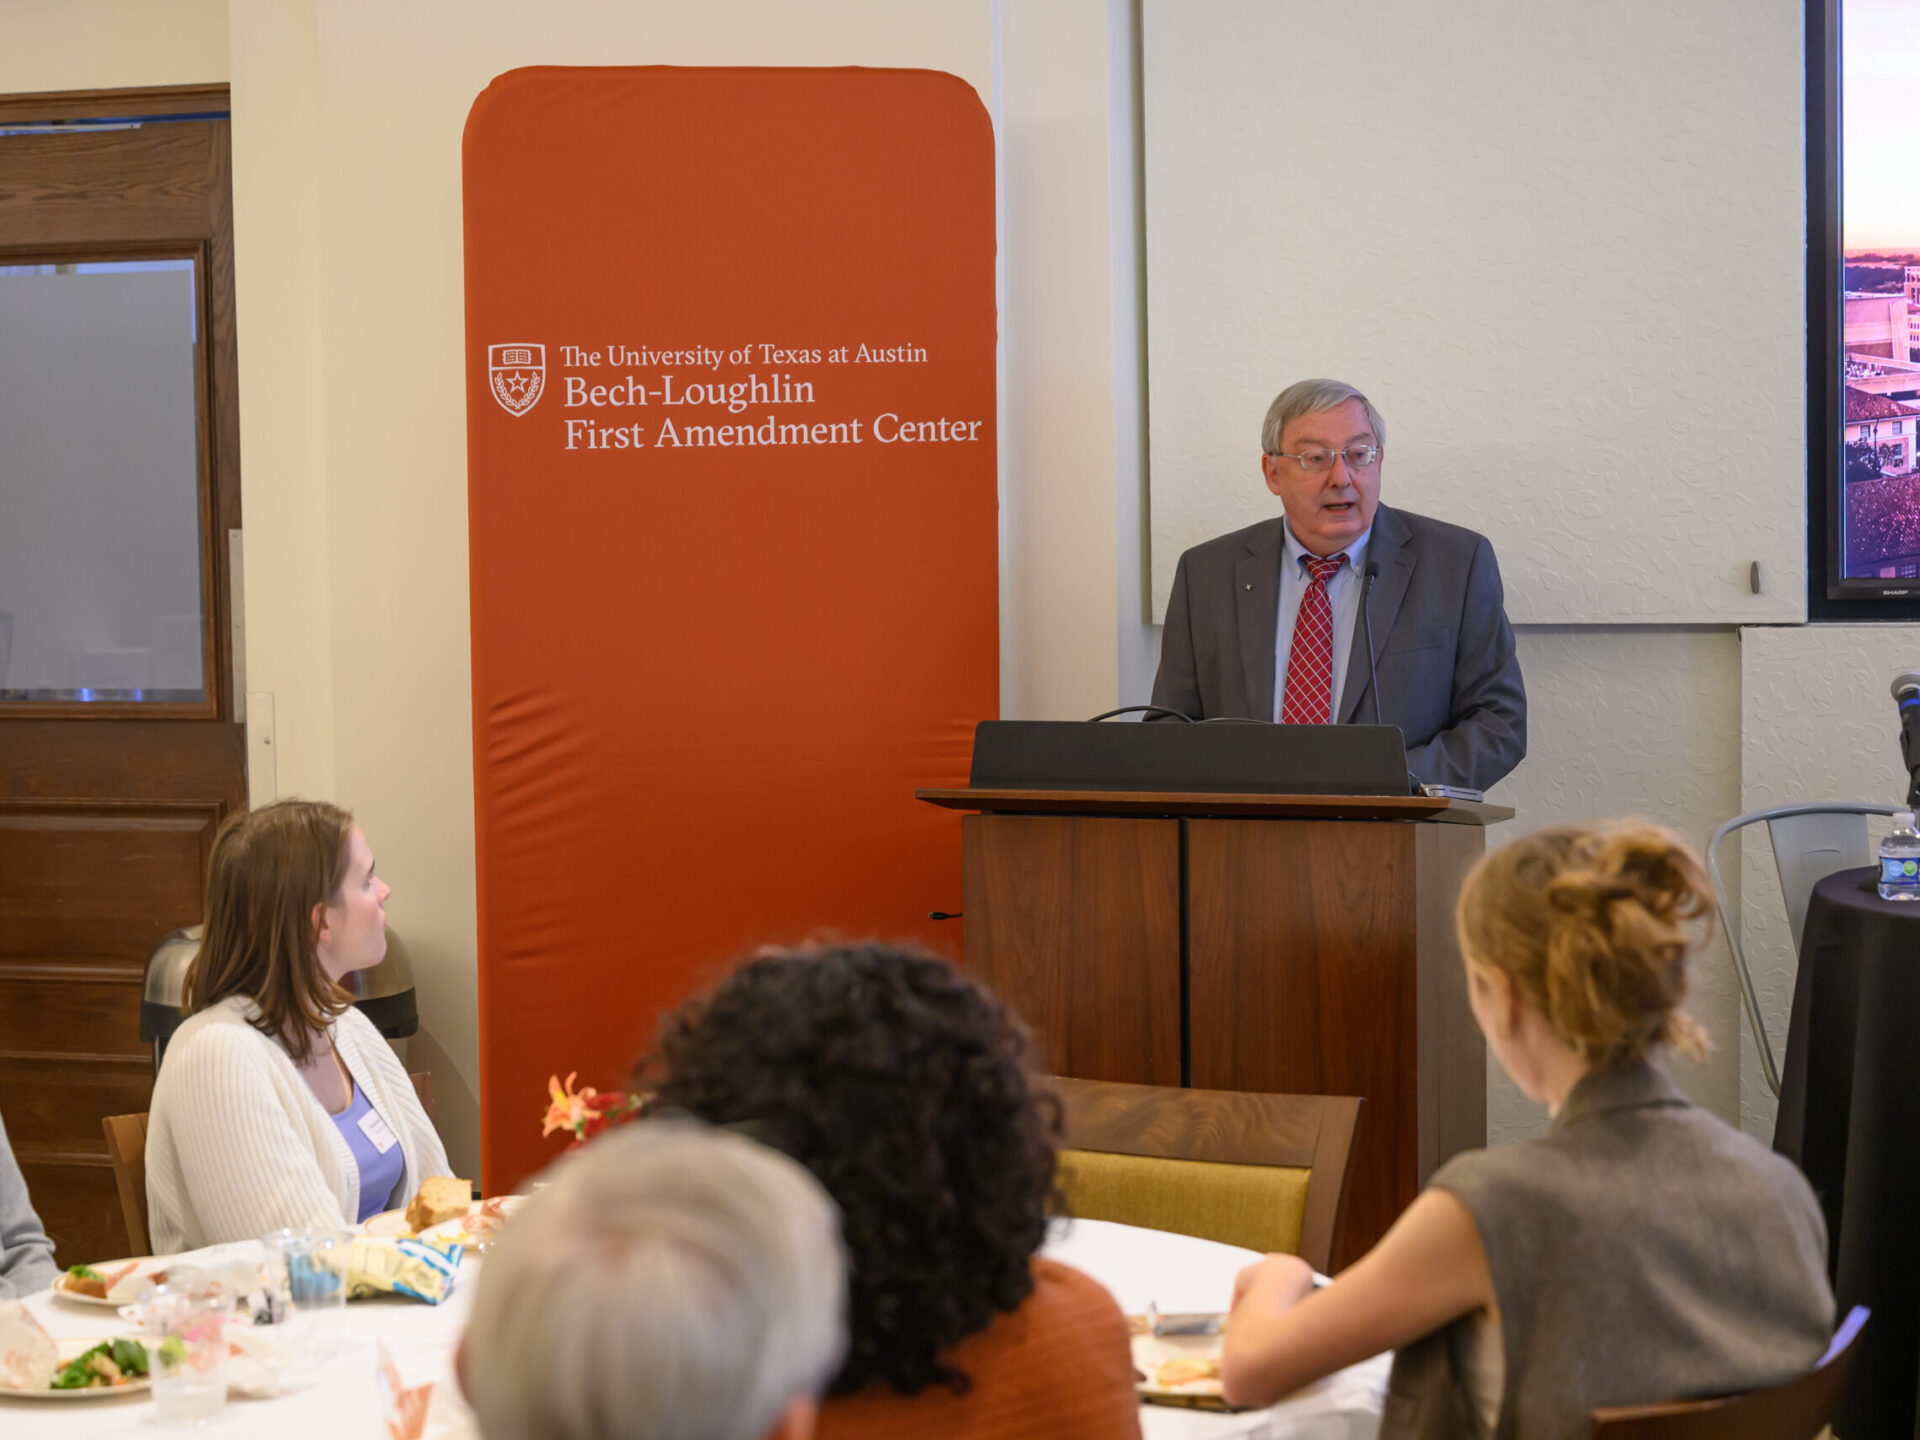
pixel 569 1110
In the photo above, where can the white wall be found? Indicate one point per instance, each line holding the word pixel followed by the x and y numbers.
pixel 1057 322
pixel 1633 721
pixel 108 44
pixel 1560 246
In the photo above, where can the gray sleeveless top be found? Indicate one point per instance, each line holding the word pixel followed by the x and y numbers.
pixel 1642 1251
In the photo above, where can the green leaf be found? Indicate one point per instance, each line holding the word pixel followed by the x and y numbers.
pixel 75 1374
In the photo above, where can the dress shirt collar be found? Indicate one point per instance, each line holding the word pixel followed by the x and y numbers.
pixel 1292 552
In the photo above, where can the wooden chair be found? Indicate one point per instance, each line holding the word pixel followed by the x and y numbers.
pixel 1797 1410
pixel 127 1148
pixel 1265 1171
pixel 423 1087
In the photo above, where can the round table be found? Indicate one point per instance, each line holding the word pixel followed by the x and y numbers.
pixel 1175 1272
pixel 1850 1118
pixel 1178 1273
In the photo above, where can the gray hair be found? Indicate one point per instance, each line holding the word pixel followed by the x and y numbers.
pixel 1310 397
pixel 672 1281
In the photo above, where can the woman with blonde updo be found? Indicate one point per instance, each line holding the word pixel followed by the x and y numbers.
pixel 1641 1251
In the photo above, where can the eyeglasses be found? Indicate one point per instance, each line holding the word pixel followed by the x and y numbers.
pixel 1318 462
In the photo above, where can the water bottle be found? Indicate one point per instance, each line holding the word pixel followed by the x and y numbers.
pixel 1900 860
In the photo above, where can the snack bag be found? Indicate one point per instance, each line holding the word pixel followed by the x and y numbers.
pixel 418 1268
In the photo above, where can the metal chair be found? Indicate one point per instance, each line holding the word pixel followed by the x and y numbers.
pixel 1810 842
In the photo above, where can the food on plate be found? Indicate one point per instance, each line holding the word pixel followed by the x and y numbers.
pixel 1185 1372
pixel 441 1197
pixel 111 1363
pixel 476 1229
pixel 84 1280
pixel 28 1357
pixel 419 1268
pixel 121 1284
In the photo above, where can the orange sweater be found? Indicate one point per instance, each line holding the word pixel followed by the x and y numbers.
pixel 1058 1368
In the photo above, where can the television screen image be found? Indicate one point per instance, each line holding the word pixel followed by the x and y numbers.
pixel 1879 469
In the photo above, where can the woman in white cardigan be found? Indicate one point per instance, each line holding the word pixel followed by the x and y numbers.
pixel 278 1103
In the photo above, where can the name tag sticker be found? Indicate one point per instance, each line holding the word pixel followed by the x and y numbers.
pixel 375 1129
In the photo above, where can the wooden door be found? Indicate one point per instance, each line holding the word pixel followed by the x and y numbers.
pixel 110 788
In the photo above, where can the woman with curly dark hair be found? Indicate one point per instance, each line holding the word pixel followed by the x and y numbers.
pixel 901 1085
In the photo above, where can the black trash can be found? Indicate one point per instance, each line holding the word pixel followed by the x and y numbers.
pixel 384 994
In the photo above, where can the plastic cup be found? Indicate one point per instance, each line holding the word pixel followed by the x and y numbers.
pixel 308 1268
pixel 188 1360
pixel 305 1281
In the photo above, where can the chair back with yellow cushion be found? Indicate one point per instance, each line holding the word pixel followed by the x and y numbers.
pixel 1268 1172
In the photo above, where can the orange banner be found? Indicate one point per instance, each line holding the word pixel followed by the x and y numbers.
pixel 731 455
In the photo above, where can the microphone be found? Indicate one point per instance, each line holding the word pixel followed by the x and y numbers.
pixel 1373 673
pixel 1906 693
pixel 1366 622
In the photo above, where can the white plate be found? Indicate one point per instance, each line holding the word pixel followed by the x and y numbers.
pixel 69 1349
pixel 1150 1352
pixel 105 1267
pixel 387 1225
pixel 392 1224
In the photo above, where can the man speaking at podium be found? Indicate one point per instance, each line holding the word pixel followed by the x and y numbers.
pixel 1268 623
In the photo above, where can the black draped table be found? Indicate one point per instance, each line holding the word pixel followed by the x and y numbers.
pixel 1850 1117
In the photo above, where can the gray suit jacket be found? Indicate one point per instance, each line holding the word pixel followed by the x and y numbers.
pixel 1449 677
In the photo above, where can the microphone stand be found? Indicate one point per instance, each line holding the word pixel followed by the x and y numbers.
pixel 1373 673
pixel 1366 622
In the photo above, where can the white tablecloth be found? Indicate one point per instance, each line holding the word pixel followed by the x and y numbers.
pixel 1173 1271
pixel 1178 1273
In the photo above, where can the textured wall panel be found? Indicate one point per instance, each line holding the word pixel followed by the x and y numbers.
pixel 1561 246
pixel 1632 722
pixel 1816 723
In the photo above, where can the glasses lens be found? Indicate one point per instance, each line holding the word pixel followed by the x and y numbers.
pixel 1314 461
pixel 1361 456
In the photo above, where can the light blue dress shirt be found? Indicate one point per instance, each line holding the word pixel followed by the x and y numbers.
pixel 1343 592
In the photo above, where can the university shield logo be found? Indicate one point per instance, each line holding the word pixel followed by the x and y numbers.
pixel 517 373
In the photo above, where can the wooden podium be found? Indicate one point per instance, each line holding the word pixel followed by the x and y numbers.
pixel 1292 944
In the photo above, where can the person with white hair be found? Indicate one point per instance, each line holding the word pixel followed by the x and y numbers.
pixel 1278 621
pixel 673 1282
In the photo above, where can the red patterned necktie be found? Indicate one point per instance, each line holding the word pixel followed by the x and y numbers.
pixel 1309 692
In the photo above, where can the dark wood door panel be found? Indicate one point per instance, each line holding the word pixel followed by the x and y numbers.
pixel 1075 922
pixel 107 811
pixel 100 880
pixel 56 760
pixel 55 1103
pixel 82 1007
pixel 164 175
pixel 1301 979
pixel 79 1204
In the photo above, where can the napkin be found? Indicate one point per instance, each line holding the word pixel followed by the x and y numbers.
pixel 28 1356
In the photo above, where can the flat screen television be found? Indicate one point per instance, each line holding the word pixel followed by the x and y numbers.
pixel 1863 311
